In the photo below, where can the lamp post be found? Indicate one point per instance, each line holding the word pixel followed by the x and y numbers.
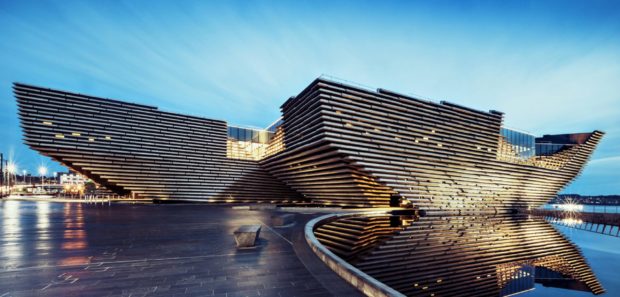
pixel 42 172
pixel 11 169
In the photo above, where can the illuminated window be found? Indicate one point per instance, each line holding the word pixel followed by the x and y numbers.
pixel 338 112
pixel 439 145
pixel 108 138
pixel 60 136
pixel 348 125
pixel 47 123
pixel 76 134
pixel 433 131
pixel 425 138
pixel 91 139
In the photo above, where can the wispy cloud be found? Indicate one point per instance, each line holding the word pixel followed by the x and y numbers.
pixel 552 67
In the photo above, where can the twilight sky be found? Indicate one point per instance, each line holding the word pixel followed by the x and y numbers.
pixel 551 66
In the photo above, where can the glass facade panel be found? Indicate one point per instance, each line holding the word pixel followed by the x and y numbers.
pixel 522 143
pixel 546 149
pixel 248 143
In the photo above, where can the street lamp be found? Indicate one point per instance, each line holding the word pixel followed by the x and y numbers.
pixel 42 172
pixel 11 168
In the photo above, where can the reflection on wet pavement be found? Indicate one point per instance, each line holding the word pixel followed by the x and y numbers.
pixel 63 249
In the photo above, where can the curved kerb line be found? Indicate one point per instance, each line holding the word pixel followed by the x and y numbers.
pixel 360 280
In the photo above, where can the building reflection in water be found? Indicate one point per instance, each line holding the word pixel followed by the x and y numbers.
pixel 459 255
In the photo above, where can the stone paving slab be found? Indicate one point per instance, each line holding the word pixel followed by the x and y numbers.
pixel 69 249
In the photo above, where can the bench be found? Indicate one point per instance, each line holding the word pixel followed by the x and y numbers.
pixel 282 219
pixel 246 235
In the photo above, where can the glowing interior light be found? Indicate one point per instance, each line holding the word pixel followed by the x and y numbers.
pixel 60 136
pixel 47 123
pixel 108 138
pixel 76 134
pixel 91 139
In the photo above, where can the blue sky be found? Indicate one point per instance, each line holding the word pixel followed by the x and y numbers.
pixel 552 67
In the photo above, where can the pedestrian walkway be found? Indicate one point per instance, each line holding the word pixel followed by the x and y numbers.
pixel 76 249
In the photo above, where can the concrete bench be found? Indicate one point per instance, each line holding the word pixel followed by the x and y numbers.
pixel 246 235
pixel 279 220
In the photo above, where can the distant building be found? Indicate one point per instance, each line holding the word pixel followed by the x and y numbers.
pixel 72 179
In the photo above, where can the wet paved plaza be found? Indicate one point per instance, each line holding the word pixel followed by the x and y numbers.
pixel 75 249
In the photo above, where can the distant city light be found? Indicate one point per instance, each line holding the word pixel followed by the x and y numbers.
pixel 572 207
